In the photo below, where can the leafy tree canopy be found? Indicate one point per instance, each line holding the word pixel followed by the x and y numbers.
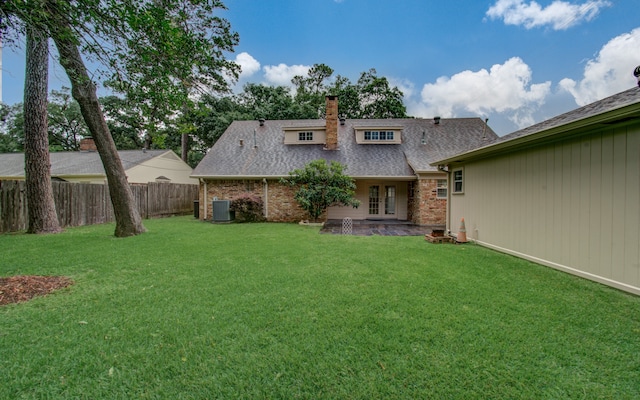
pixel 321 185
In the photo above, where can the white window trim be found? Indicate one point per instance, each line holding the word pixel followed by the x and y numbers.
pixel 305 136
pixel 396 131
pixel 454 181
pixel 439 188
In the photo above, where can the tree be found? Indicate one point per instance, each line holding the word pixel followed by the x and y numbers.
pixel 128 220
pixel 370 97
pixel 157 52
pixel 321 185
pixel 12 128
pixel 209 118
pixel 378 99
pixel 125 122
pixel 348 97
pixel 272 102
pixel 66 125
pixel 311 89
pixel 39 193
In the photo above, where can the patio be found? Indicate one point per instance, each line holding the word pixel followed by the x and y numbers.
pixel 379 227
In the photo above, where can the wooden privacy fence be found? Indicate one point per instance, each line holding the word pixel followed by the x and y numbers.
pixel 80 204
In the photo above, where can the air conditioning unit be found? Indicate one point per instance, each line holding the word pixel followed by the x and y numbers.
pixel 221 212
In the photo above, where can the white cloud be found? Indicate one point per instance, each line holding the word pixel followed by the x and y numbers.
pixel 559 14
pixel 610 72
pixel 248 65
pixel 281 74
pixel 505 88
pixel 406 87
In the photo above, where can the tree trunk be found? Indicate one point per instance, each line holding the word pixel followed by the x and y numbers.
pixel 185 147
pixel 39 193
pixel 128 221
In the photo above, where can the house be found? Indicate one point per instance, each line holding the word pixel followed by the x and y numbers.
pixel 388 158
pixel 564 193
pixel 141 166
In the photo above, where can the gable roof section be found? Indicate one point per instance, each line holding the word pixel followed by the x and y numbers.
pixel 270 157
pixel 75 163
pixel 619 108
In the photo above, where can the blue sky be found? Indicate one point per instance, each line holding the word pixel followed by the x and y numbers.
pixel 515 62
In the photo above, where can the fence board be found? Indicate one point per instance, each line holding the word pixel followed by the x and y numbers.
pixel 80 204
pixel 13 207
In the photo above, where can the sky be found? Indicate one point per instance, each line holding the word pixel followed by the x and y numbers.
pixel 515 62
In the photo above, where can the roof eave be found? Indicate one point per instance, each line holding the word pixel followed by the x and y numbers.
pixel 570 129
pixel 237 177
pixel 258 177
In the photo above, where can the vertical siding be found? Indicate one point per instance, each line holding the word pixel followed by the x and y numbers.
pixel 574 205
pixel 631 240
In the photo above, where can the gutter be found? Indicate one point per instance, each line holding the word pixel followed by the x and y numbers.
pixel 261 177
pixel 442 168
pixel 564 131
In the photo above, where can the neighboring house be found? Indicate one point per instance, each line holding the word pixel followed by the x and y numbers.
pixel 388 158
pixel 141 166
pixel 564 193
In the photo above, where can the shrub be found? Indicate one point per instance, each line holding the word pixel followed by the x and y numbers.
pixel 248 208
pixel 321 185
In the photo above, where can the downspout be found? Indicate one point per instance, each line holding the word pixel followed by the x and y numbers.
pixel 443 168
pixel 266 197
pixel 204 199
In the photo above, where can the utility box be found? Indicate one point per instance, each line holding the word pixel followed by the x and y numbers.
pixel 221 212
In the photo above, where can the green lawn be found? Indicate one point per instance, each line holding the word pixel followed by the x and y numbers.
pixel 192 310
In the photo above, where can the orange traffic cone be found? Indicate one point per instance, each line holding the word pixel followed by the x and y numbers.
pixel 462 233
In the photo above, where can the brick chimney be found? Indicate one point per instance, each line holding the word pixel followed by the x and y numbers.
pixel 331 118
pixel 87 144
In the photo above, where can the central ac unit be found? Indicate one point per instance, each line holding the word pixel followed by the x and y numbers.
pixel 221 212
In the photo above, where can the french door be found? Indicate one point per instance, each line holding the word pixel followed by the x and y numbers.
pixel 382 200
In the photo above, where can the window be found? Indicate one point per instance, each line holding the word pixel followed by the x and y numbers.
pixel 305 136
pixel 389 200
pixel 441 188
pixel 457 181
pixel 378 135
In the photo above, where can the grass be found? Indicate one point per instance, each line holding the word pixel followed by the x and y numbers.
pixel 192 310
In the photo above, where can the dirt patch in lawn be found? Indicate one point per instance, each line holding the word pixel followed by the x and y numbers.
pixel 20 288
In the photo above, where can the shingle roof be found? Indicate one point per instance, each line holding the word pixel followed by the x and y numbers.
pixel 610 103
pixel 272 158
pixel 622 106
pixel 75 163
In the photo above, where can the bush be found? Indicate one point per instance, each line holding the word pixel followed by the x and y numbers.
pixel 248 208
pixel 321 185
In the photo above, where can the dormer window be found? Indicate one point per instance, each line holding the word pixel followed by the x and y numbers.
pixel 304 134
pixel 378 135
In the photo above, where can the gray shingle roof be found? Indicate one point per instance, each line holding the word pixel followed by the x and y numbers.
pixel 610 103
pixel 600 114
pixel 76 163
pixel 272 158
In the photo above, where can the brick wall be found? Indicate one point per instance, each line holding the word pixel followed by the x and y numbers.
pixel 281 205
pixel 279 202
pixel 425 206
pixel 331 118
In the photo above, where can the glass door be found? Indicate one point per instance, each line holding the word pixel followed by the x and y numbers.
pixel 382 203
pixel 374 200
pixel 390 200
